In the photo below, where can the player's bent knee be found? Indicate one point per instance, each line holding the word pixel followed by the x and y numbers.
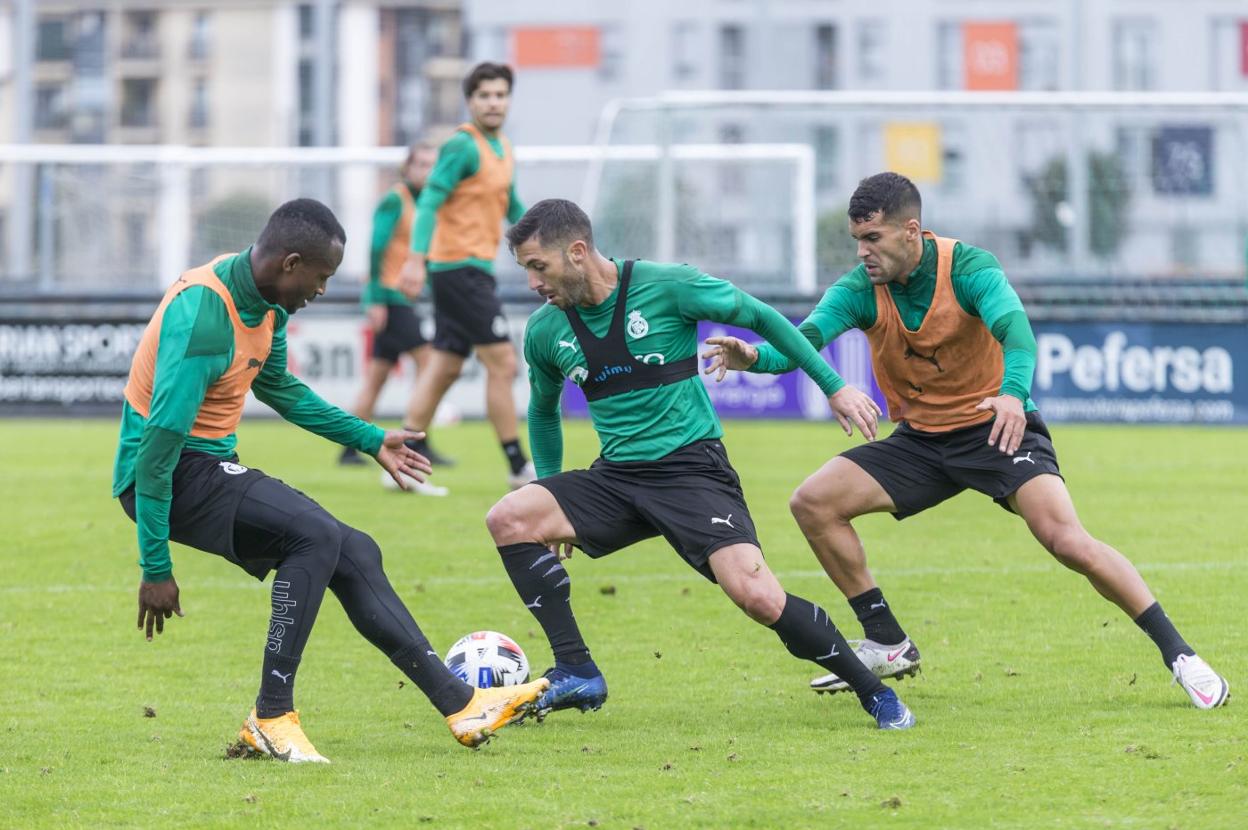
pixel 1072 546
pixel 315 536
pixel 508 522
pixel 804 506
pixel 763 606
pixel 360 548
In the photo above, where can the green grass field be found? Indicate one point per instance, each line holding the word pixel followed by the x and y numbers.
pixel 1040 705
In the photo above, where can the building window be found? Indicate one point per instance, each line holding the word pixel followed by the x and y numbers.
pixel 732 57
pixel 872 35
pixel 1230 54
pixel 953 157
pixel 1039 51
pixel 198 117
pixel 51 107
pixel 139 36
pixel 201 37
pixel 825 56
pixel 684 59
pixel 827 141
pixel 1135 54
pixel 51 43
pixel 732 172
pixel 138 102
pixel 611 56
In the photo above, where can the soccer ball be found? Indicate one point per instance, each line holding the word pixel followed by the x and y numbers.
pixel 486 658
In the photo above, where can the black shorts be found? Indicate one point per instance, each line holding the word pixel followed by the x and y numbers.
pixel 692 497
pixel 222 507
pixel 466 310
pixel 919 470
pixel 401 334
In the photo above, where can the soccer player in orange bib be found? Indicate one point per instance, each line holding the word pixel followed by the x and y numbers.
pixel 459 218
pixel 954 354
pixel 221 331
pixel 392 318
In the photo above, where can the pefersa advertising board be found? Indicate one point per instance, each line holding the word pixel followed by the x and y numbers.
pixel 1109 372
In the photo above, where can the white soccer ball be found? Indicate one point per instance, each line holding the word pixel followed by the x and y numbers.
pixel 486 658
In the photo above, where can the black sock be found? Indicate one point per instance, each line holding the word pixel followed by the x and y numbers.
pixel 1157 625
pixel 420 445
pixel 277 686
pixel 546 589
pixel 878 622
pixel 587 669
pixel 515 456
pixel 423 667
pixel 809 634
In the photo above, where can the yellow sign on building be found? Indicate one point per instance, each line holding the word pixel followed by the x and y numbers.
pixel 912 148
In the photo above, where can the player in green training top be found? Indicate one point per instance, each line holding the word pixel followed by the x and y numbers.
pixel 392 318
pixel 459 223
pixel 219 332
pixel 626 332
pixel 954 353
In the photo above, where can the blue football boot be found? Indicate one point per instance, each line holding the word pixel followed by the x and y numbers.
pixel 568 691
pixel 887 709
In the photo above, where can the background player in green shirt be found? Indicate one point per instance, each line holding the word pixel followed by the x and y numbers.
pixel 220 332
pixel 395 325
pixel 953 350
pixel 471 190
pixel 627 334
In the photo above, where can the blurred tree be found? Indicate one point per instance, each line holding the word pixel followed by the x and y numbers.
pixel 1109 199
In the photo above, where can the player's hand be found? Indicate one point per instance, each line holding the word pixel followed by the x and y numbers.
pixel 1010 422
pixel 561 550
pixel 853 406
pixel 412 277
pixel 158 601
pixel 377 315
pixel 728 353
pixel 398 459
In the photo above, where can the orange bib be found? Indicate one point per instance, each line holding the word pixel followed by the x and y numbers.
pixel 470 221
pixel 222 407
pixel 934 377
pixel 400 244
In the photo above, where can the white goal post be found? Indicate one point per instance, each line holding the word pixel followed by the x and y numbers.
pixel 164 178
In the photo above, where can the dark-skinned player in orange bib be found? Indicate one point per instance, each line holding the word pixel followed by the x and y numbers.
pixel 219 332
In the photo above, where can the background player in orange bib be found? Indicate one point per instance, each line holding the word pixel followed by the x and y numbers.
pixel 459 218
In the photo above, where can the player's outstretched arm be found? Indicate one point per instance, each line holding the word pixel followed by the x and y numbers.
pixel 851 406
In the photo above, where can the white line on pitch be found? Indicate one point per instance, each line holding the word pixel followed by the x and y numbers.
pixel 677 575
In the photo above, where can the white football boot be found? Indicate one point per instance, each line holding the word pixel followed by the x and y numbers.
pixel 418 488
pixel 527 474
pixel 901 660
pixel 1203 685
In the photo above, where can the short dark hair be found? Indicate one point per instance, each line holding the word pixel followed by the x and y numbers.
pixel 487 72
pixel 555 223
pixel 890 194
pixel 302 226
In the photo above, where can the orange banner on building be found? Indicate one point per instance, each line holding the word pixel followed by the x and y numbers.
pixel 990 55
pixel 564 47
